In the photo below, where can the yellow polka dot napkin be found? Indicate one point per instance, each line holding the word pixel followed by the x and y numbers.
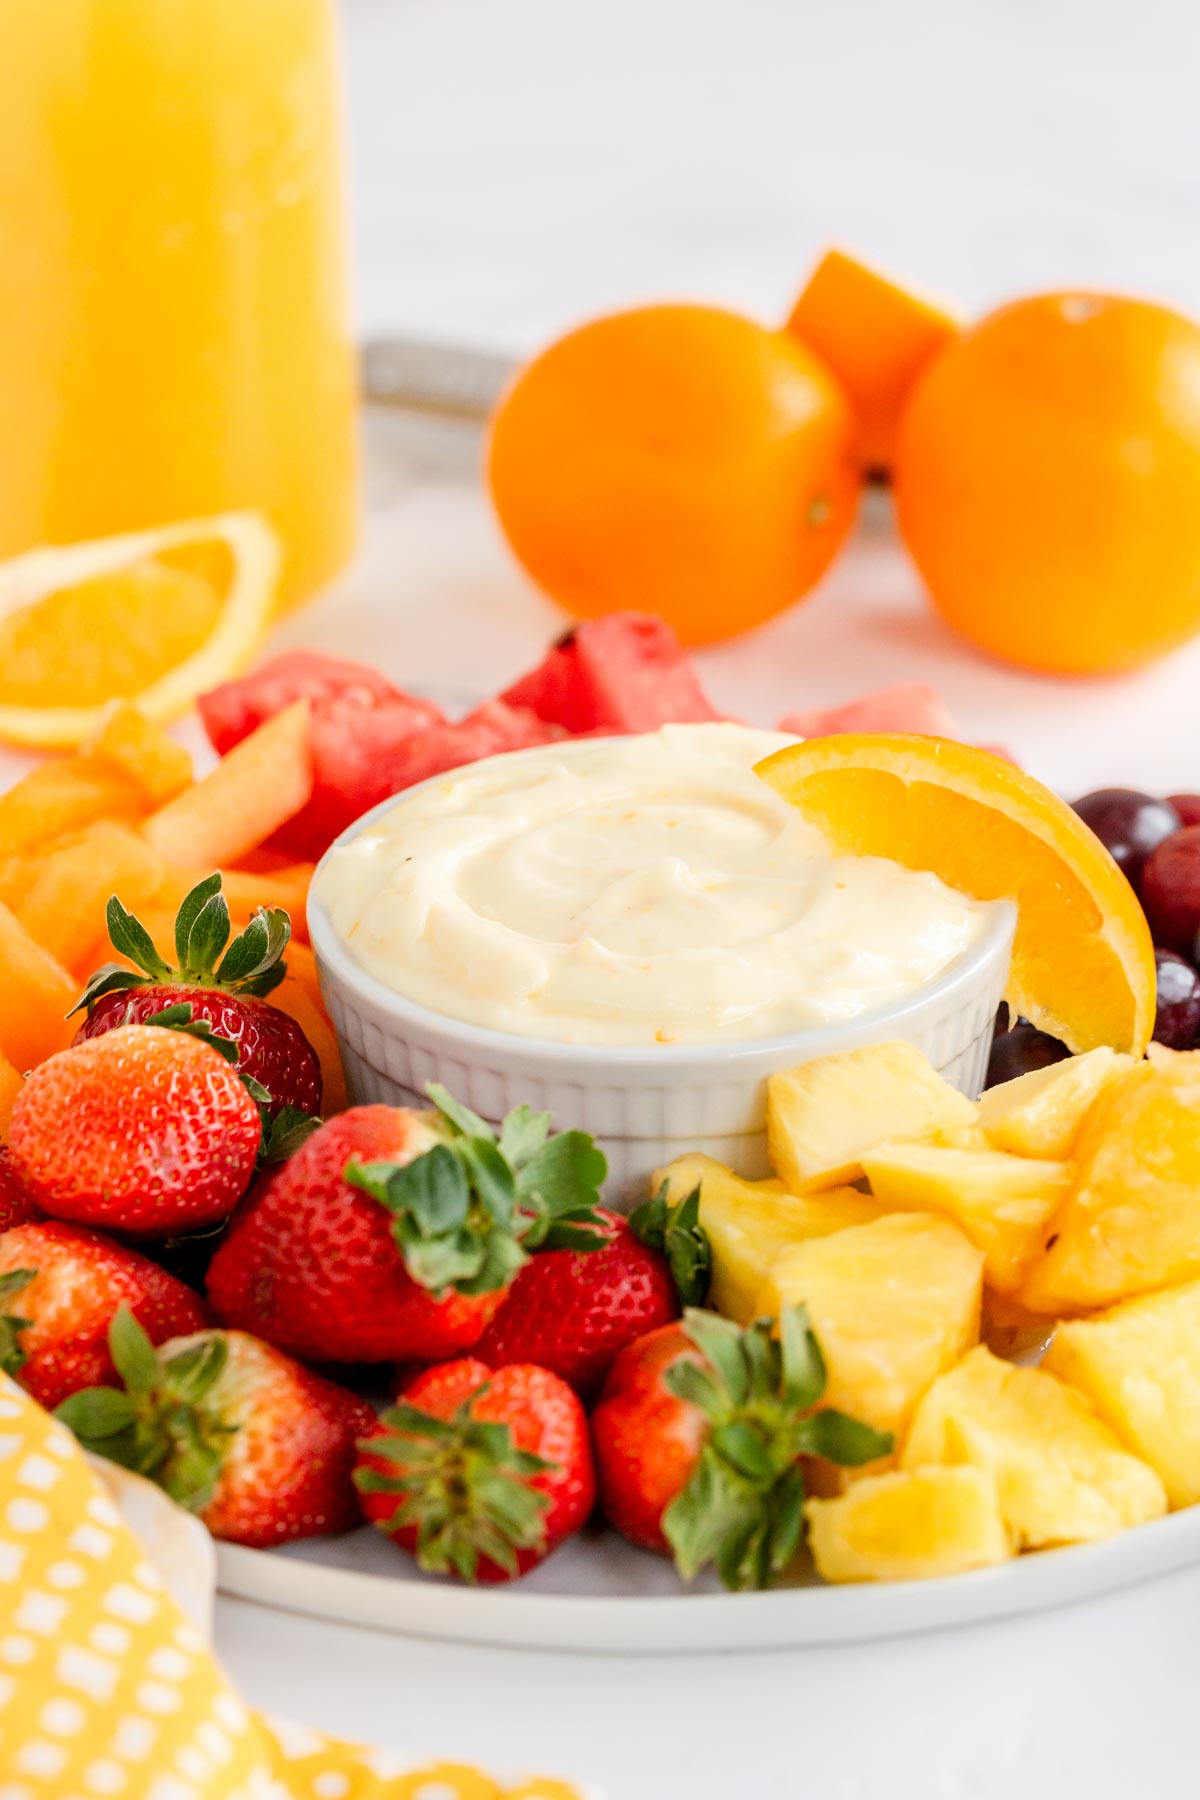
pixel 108 1690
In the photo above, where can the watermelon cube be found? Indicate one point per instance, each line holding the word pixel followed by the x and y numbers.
pixel 491 730
pixel 358 720
pixel 624 672
pixel 912 706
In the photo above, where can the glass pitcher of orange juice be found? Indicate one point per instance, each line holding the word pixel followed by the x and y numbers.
pixel 174 337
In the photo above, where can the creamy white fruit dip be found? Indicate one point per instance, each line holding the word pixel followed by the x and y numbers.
pixel 634 891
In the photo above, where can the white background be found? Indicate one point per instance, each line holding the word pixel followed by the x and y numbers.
pixel 518 164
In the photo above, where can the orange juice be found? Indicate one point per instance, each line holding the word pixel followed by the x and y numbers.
pixel 173 322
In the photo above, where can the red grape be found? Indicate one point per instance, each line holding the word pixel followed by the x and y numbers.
pixel 1020 1051
pixel 1171 890
pixel 1187 806
pixel 1128 824
pixel 1177 1021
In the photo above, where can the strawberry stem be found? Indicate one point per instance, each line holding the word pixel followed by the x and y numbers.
pixel 284 1132
pixel 742 1509
pixel 557 1176
pixel 12 1356
pixel 674 1229
pixel 252 964
pixel 467 1213
pixel 461 1484
pixel 162 1422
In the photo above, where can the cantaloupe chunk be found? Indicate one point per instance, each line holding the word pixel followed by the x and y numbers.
pixel 294 997
pixel 16 873
pixel 287 887
pixel 63 904
pixel 36 994
pixel 876 337
pixel 64 795
pixel 246 890
pixel 253 790
pixel 11 1083
pixel 138 748
pixel 302 967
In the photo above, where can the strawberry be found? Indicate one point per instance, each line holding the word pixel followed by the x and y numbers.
pixel 141 1130
pixel 573 1312
pixel 216 992
pixel 699 1436
pixel 60 1287
pixel 17 1205
pixel 392 1234
pixel 260 1447
pixel 311 1262
pixel 477 1474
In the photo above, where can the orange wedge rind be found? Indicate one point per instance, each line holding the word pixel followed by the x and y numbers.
pixel 1083 961
pixel 134 617
pixel 877 338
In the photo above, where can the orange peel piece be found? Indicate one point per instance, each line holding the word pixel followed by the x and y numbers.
pixel 1083 960
pixel 876 337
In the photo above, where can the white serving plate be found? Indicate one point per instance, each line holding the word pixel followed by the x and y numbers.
pixel 431 557
pixel 430 538
pixel 600 1594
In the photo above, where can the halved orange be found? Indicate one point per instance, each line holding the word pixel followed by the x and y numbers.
pixel 1083 961
pixel 152 617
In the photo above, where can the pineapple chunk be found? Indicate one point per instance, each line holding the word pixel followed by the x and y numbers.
pixel 1039 1114
pixel 750 1222
pixel 1132 1221
pixel 893 1304
pixel 823 1116
pixel 1002 1203
pixel 1139 1365
pixel 907 1526
pixel 1061 1475
pixel 961 1137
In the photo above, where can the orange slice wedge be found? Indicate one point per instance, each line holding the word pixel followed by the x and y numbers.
pixel 151 617
pixel 1083 961
pixel 876 337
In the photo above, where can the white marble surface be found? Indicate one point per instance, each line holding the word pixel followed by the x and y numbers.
pixel 519 163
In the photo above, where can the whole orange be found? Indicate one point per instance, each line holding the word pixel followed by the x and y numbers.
pixel 1047 482
pixel 677 460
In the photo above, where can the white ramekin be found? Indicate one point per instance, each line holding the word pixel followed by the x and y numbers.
pixel 645 1105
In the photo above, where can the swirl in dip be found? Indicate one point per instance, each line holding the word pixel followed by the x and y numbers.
pixel 633 891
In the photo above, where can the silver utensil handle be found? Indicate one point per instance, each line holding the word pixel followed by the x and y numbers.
pixel 435 378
